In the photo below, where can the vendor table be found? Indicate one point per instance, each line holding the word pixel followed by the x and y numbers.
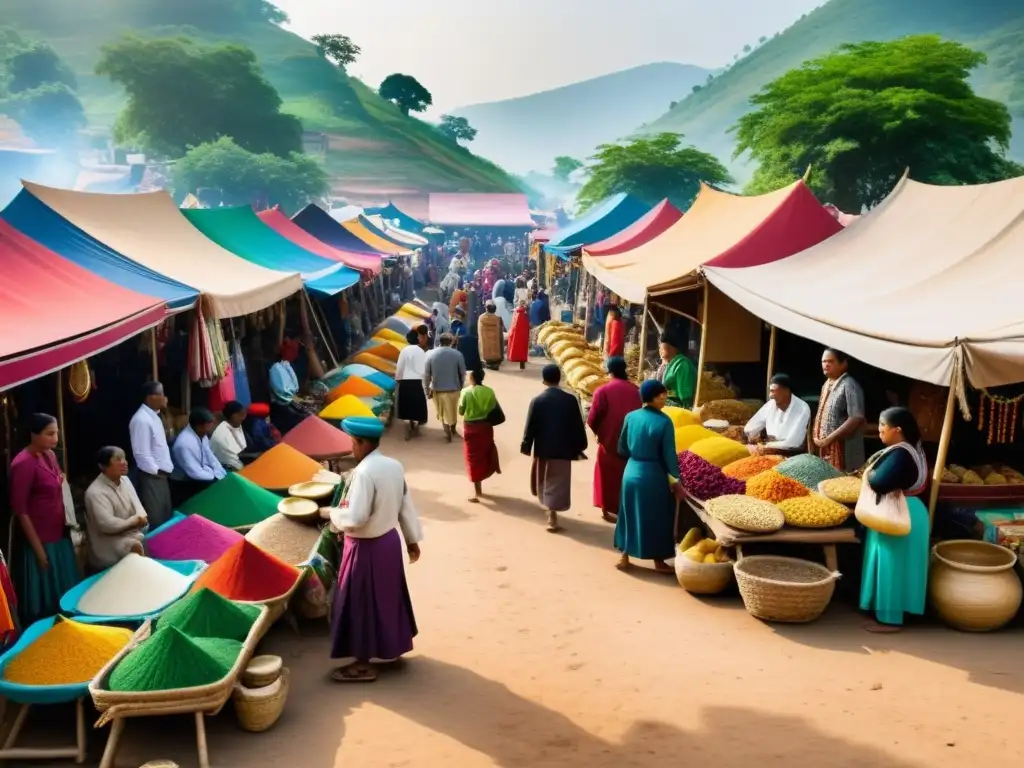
pixel 727 536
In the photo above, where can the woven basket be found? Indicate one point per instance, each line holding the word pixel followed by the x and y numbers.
pixel 784 589
pixel 258 713
pixel 702 578
pixel 261 671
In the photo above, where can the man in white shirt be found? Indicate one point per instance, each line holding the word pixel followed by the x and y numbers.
pixel 784 418
pixel 228 441
pixel 152 455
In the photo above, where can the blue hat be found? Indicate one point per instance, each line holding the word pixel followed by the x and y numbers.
pixel 650 389
pixel 366 427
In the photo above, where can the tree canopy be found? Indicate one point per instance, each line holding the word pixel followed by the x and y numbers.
pixel 863 114
pixel 651 169
pixel 457 128
pixel 565 167
pixel 181 95
pixel 244 178
pixel 38 91
pixel 338 48
pixel 36 65
pixel 406 92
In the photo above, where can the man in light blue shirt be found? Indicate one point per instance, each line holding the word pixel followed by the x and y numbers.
pixel 195 466
pixel 284 388
pixel 152 456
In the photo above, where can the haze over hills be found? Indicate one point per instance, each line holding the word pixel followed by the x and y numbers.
pixel 993 26
pixel 528 133
pixel 375 152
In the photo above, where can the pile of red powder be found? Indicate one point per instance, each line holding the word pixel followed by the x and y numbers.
pixel 247 573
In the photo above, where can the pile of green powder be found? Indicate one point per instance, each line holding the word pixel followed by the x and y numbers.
pixel 207 614
pixel 170 659
pixel 808 469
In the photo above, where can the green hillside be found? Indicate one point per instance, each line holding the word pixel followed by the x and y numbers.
pixel 993 26
pixel 374 150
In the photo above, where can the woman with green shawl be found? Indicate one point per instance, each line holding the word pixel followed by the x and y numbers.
pixel 677 373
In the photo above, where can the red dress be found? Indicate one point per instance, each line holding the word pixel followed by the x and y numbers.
pixel 614 338
pixel 608 410
pixel 519 337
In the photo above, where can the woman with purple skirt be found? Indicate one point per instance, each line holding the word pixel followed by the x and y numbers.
pixel 371 614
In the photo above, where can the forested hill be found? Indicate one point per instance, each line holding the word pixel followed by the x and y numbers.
pixel 375 149
pixel 995 27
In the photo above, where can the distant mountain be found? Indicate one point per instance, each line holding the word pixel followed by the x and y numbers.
pixel 995 27
pixel 528 133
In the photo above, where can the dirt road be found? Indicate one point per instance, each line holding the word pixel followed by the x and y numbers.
pixel 535 651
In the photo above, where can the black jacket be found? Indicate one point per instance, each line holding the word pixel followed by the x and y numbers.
pixel 554 427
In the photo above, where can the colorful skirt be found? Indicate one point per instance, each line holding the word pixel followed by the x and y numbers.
pixel 479 451
pixel 894 581
pixel 371 613
pixel 39 591
pixel 608 471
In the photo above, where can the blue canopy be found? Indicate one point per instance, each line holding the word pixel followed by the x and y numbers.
pixel 610 217
pixel 320 225
pixel 391 212
pixel 30 216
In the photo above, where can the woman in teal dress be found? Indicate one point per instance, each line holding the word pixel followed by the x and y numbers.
pixel 895 576
pixel 645 528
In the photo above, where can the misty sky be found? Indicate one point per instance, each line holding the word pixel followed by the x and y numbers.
pixel 470 51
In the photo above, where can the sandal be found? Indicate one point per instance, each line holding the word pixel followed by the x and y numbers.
pixel 877 628
pixel 354 674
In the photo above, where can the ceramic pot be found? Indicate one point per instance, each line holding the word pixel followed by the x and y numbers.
pixel 973 585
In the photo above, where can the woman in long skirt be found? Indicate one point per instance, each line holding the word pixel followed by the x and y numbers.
pixel 477 403
pixel 646 523
pixel 894 581
pixel 612 403
pixel 519 337
pixel 410 397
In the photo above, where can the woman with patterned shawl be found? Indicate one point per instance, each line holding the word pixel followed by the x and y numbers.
pixel 838 433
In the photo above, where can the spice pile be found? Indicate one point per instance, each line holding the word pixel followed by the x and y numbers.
pixel 773 487
pixel 315 437
pixel 280 467
pixel 286 539
pixel 233 502
pixel 845 490
pixel 171 659
pixel 245 572
pixel 194 538
pixel 704 480
pixel 68 653
pixel 814 511
pixel 687 436
pixel 808 469
pixel 136 586
pixel 744 469
pixel 207 614
pixel 746 514
pixel 720 451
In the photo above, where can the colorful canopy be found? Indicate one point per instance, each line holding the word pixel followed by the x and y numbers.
pixel 606 219
pixel 54 312
pixel 480 210
pixel 240 231
pixel 372 239
pixel 151 231
pixel 31 217
pixel 393 213
pixel 285 227
pixel 319 223
pixel 720 229
pixel 923 285
pixel 646 228
pixel 400 237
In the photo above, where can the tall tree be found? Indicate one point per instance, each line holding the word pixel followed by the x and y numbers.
pixel 50 114
pixel 868 111
pixel 338 48
pixel 244 178
pixel 457 128
pixel 181 95
pixel 651 169
pixel 34 66
pixel 566 166
pixel 406 92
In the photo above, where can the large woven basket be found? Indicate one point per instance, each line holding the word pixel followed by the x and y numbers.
pixel 784 589
pixel 702 578
pixel 256 712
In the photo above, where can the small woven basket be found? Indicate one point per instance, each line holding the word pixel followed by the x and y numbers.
pixel 262 671
pixel 702 578
pixel 257 710
pixel 784 589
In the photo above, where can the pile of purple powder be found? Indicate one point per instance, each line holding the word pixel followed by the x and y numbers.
pixel 194 538
pixel 703 480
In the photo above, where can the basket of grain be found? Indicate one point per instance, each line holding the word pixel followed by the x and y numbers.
pixel 784 589
pixel 259 708
pixel 745 513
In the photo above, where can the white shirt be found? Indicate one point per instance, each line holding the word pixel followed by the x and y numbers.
pixel 226 443
pixel 149 442
pixel 376 501
pixel 522 296
pixel 787 428
pixel 412 363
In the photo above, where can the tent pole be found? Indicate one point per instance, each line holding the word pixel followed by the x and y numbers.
pixel 153 355
pixel 940 458
pixel 642 345
pixel 703 344
pixel 771 359
pixel 60 421
pixel 328 342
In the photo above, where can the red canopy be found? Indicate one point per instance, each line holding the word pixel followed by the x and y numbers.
pixel 285 227
pixel 653 223
pixel 480 210
pixel 54 312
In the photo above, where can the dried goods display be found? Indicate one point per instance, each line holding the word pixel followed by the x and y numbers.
pixel 720 451
pixel 745 513
pixel 773 487
pixel 814 511
pixel 703 480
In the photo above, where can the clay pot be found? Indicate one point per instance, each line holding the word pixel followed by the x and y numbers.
pixel 973 585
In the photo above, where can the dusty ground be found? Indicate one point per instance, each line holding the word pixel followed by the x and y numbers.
pixel 535 651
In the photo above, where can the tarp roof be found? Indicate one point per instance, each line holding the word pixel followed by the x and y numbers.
pixel 923 285
pixel 391 212
pixel 240 231
pixel 54 312
pixel 324 228
pixel 150 230
pixel 373 240
pixel 602 221
pixel 646 228
pixel 284 226
pixel 480 210
pixel 29 215
pixel 720 229
pixel 346 212
pixel 398 236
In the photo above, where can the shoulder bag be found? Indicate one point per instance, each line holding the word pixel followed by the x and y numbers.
pixel 497 416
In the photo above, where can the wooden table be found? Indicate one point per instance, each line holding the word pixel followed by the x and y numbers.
pixel 727 536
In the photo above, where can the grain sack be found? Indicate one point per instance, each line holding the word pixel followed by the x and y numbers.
pixel 971 478
pixel 572 353
pixel 687 436
pixel 559 347
pixel 808 469
pixel 773 487
pixel 681 417
pixel 746 514
pixel 730 410
pixel 136 586
pixel 845 490
pixel 746 468
pixel 286 539
pixel 814 511
pixel 719 451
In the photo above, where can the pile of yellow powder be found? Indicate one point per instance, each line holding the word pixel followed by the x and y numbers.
pixel 68 653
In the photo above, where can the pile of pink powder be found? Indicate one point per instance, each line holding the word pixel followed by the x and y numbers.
pixel 194 538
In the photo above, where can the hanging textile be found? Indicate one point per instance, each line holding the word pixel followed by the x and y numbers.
pixel 208 352
pixel 242 393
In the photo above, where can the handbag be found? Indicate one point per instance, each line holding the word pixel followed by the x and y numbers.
pixel 889 514
pixel 497 416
